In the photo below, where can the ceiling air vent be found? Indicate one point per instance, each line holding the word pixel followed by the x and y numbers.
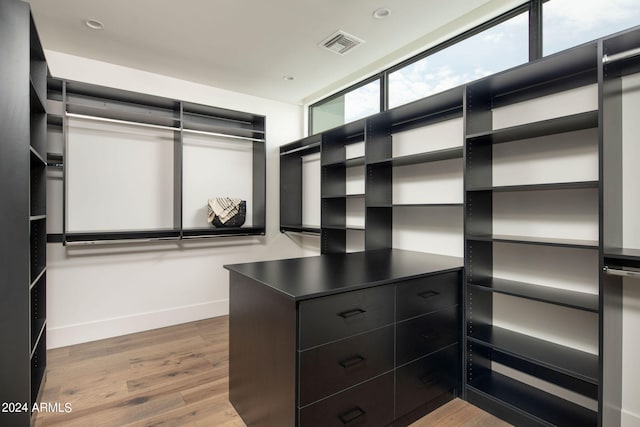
pixel 341 42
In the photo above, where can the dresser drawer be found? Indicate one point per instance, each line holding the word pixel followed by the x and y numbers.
pixel 426 379
pixel 330 318
pixel 332 367
pixel 424 295
pixel 369 404
pixel 426 334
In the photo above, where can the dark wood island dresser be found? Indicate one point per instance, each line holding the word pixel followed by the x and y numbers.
pixel 359 339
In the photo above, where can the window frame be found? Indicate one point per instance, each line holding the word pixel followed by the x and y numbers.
pixel 532 7
pixel 345 91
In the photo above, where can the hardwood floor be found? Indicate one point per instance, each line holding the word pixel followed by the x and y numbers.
pixel 175 376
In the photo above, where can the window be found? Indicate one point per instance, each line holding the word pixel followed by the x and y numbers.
pixel 495 49
pixel 567 23
pixel 355 104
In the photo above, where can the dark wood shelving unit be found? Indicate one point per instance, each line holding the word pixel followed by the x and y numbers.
pixel 600 63
pixel 91 102
pixel 23 259
pixel 486 343
pixel 333 184
pixel 235 128
pixel 291 184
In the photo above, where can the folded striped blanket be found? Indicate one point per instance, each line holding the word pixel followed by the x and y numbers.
pixel 224 208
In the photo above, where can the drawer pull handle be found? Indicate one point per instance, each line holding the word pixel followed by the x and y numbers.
pixel 351 313
pixel 428 294
pixel 351 415
pixel 429 380
pixel 429 335
pixel 352 361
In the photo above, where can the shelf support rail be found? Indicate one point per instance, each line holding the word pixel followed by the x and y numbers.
pixel 621 55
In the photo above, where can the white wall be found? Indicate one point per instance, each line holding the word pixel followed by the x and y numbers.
pixel 96 291
pixel 631 239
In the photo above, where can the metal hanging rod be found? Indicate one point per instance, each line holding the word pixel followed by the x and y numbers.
pixel 120 241
pixel 224 135
pixel 621 55
pixel 627 272
pixel 123 122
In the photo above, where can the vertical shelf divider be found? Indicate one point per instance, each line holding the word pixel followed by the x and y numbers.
pixel 378 185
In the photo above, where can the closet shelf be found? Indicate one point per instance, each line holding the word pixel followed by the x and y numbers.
pixel 37 157
pixel 539 187
pixel 427 205
pixel 345 196
pixel 222 231
pixel 300 228
pixel 627 254
pixel 34 282
pixel 554 126
pixel 37 100
pixel 38 328
pixel 114 236
pixel 301 148
pixel 546 294
pixel 345 227
pixel 566 360
pixel 54 120
pixel 244 123
pixel 427 157
pixel 354 161
pixel 531 240
pixel 540 407
pixel 248 136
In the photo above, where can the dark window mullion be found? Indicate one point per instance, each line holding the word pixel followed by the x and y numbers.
pixel 384 91
pixel 535 29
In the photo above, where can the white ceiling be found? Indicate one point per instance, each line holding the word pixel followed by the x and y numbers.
pixel 249 45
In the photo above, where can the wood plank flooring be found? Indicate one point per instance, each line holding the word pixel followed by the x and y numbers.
pixel 175 376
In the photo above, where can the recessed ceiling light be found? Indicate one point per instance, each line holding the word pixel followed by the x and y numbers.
pixel 381 13
pixel 94 24
pixel 288 78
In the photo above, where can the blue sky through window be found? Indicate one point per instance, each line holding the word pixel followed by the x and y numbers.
pixel 568 23
pixel 498 48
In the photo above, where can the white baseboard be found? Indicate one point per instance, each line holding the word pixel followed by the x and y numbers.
pixel 629 419
pixel 61 336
